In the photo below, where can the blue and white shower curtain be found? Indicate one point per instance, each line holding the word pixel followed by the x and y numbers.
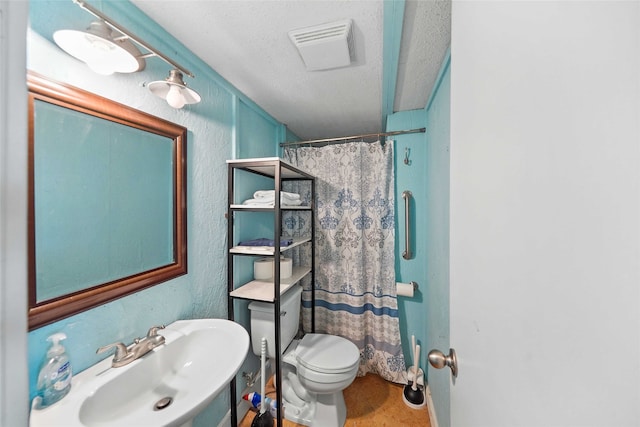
pixel 355 257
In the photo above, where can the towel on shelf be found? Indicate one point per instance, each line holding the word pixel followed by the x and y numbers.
pixel 271 195
pixel 267 203
pixel 263 241
pixel 267 198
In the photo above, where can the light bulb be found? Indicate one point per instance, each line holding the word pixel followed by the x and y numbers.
pixel 175 97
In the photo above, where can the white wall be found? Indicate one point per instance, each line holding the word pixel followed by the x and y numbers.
pixel 13 214
pixel 545 213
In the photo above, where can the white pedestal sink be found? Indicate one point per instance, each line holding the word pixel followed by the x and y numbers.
pixel 184 375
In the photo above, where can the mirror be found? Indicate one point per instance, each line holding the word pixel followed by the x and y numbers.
pixel 107 200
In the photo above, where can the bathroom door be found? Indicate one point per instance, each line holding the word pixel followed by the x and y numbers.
pixel 545 214
pixel 14 381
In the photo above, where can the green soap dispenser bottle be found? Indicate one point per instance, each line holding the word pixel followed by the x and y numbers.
pixel 54 380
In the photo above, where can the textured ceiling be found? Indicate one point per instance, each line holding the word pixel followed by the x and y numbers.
pixel 426 36
pixel 246 42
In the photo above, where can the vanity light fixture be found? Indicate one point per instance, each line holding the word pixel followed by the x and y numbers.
pixel 101 49
pixel 108 47
pixel 174 90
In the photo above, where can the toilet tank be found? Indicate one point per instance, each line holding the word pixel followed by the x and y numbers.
pixel 262 321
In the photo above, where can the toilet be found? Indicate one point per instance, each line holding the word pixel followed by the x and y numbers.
pixel 315 369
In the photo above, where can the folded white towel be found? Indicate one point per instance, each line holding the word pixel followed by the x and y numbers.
pixel 271 194
pixel 283 201
pixel 269 203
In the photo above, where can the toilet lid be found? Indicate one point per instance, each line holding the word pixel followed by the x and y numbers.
pixel 327 353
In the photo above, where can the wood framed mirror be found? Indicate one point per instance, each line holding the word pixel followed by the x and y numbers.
pixel 107 200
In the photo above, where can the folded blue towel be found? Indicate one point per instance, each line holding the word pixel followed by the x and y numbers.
pixel 265 242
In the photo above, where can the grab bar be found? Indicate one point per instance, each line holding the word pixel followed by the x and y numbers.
pixel 406 195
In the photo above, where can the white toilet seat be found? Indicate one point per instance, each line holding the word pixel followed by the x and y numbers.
pixel 319 382
pixel 326 354
pixel 324 363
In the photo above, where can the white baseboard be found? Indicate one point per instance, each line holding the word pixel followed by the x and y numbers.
pixel 432 412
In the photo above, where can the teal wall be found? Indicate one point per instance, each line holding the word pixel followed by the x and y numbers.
pixel 226 124
pixel 426 315
pixel 411 178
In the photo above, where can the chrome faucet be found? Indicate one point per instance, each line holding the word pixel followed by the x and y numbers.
pixel 140 347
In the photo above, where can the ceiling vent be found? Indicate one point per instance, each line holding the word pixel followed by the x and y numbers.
pixel 325 46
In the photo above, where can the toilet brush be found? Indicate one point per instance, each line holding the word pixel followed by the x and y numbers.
pixel 413 396
pixel 264 417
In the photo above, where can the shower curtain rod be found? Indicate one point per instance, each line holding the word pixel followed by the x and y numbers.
pixel 347 138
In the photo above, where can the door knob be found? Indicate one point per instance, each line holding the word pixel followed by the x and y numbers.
pixel 439 360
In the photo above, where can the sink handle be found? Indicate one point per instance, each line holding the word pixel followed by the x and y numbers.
pixel 121 350
pixel 154 331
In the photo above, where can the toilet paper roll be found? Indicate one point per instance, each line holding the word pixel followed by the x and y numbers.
pixel 286 268
pixel 263 268
pixel 405 289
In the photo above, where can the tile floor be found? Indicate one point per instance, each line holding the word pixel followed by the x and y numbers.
pixel 371 401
